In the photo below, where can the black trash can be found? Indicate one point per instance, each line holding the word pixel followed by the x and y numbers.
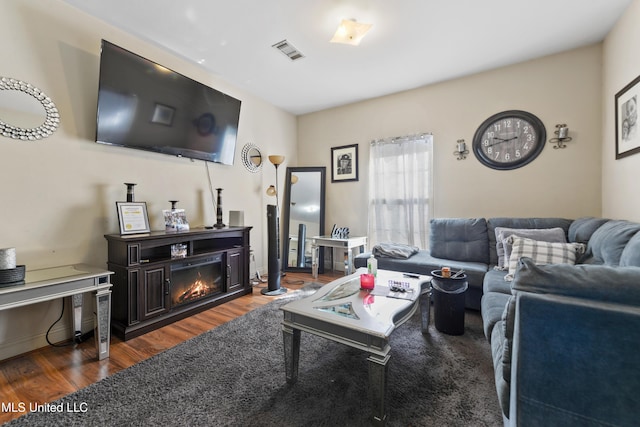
pixel 448 302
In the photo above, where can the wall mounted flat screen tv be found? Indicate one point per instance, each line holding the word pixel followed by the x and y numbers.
pixel 146 106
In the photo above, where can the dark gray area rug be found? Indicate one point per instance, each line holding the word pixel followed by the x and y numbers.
pixel 234 375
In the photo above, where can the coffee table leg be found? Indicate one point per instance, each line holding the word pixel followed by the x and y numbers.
pixel 378 386
pixel 291 352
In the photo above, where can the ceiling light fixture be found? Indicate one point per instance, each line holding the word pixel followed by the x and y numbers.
pixel 350 32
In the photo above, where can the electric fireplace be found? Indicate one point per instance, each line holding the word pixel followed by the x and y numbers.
pixel 195 280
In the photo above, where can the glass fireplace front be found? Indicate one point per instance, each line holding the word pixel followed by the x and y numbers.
pixel 194 280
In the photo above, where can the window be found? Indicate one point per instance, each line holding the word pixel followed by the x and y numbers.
pixel 400 183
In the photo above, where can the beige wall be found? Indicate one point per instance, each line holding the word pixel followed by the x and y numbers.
pixel 621 65
pixel 58 195
pixel 563 88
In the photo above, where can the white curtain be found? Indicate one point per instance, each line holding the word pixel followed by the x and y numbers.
pixel 400 190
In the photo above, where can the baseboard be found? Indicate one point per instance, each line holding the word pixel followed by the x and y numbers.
pixel 26 344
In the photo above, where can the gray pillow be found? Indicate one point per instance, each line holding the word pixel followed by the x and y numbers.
pixel 503 248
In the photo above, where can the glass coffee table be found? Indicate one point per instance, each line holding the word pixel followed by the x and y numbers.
pixel 342 312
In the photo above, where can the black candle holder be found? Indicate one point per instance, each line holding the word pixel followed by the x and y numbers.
pixel 130 195
pixel 219 223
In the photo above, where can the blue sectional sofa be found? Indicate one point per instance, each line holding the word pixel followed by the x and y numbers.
pixel 565 337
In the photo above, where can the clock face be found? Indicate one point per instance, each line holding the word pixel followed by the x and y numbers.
pixel 509 140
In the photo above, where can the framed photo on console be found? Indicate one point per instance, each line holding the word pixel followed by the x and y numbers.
pixel 344 163
pixel 133 217
pixel 627 133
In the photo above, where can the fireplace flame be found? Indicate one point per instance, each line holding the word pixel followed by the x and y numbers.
pixel 198 289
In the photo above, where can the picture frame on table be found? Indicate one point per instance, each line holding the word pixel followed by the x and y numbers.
pixel 627 133
pixel 344 163
pixel 133 217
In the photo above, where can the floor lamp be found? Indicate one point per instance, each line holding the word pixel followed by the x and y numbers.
pixel 273 227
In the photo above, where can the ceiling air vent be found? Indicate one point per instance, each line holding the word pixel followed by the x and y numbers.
pixel 288 49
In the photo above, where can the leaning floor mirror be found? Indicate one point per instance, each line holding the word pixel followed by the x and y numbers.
pixel 303 216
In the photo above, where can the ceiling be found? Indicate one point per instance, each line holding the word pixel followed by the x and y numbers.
pixel 412 42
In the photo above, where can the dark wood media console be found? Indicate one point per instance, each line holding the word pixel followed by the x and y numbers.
pixel 153 286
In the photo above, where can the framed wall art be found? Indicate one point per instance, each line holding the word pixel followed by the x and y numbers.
pixel 344 163
pixel 133 217
pixel 627 134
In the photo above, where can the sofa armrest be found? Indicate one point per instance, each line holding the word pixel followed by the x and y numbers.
pixel 593 282
pixel 574 361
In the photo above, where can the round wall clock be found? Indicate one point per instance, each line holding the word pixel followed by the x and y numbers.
pixel 509 140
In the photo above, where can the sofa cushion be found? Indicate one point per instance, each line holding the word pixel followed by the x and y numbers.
pixel 581 230
pixel 493 304
pixel 459 239
pixel 602 283
pixel 494 282
pixel 508 322
pixel 503 246
pixel 608 242
pixel 631 254
pixel 492 223
pixel 497 352
pixel 542 253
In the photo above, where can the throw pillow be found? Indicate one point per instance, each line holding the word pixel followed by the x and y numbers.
pixel 503 248
pixel 541 253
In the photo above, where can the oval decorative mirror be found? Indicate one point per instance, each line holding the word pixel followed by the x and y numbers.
pixel 251 157
pixel 19 107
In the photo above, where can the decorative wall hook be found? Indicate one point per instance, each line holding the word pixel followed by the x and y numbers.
pixel 461 150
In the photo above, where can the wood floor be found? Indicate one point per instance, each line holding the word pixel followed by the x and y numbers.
pixel 49 373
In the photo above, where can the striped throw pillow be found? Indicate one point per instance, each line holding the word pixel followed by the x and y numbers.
pixel 541 252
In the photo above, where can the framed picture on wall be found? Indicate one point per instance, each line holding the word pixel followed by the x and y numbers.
pixel 344 163
pixel 627 133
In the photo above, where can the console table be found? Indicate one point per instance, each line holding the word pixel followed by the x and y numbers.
pixel 349 244
pixel 70 280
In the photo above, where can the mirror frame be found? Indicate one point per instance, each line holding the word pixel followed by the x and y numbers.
pixel 248 153
pixel 52 119
pixel 287 213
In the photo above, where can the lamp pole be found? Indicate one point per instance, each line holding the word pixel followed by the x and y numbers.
pixel 273 219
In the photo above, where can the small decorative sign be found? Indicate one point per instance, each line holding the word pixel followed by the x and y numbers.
pixel 340 233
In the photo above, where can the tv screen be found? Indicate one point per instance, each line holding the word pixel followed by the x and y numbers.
pixel 146 106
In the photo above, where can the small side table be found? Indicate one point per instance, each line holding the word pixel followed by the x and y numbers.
pixel 327 241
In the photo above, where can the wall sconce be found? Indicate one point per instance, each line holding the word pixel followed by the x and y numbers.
pixel 461 150
pixel 562 136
